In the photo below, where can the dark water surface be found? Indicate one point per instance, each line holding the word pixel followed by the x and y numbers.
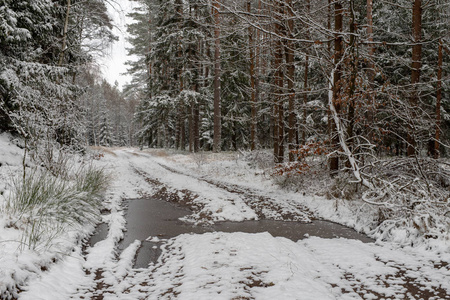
pixel 158 218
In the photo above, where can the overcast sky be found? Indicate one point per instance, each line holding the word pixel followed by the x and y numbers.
pixel 113 65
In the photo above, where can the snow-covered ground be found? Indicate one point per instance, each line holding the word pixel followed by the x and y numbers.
pixel 219 265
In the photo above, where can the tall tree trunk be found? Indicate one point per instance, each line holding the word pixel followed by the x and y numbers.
pixel 196 112
pixel 353 73
pixel 278 112
pixel 281 92
pixel 438 103
pixel 371 67
pixel 338 51
pixel 305 82
pixel 415 71
pixel 258 74
pixel 191 127
pixel 181 130
pixel 206 76
pixel 305 98
pixel 64 38
pixel 182 127
pixel 217 71
pixel 370 40
pixel 80 23
pixel 329 47
pixel 289 50
pixel 196 115
pixel 251 47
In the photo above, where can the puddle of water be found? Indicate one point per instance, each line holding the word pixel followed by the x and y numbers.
pixel 100 233
pixel 154 217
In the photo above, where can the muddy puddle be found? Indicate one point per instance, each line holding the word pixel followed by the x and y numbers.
pixel 158 218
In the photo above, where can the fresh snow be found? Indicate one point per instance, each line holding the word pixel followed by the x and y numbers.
pixel 215 265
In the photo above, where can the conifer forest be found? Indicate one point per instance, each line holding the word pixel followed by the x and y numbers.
pixel 342 99
pixel 354 80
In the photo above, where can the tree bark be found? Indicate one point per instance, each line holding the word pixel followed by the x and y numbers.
pixel 353 73
pixel 251 46
pixel 64 38
pixel 196 115
pixel 305 83
pixel 289 50
pixel 305 98
pixel 181 131
pixel 338 49
pixel 182 128
pixel 278 116
pixel 217 110
pixel 371 67
pixel 415 71
pixel 438 103
pixel 329 47
pixel 191 126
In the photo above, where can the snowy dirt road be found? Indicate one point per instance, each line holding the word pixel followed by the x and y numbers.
pixel 219 265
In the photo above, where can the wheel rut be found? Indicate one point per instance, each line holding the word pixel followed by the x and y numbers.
pixel 265 207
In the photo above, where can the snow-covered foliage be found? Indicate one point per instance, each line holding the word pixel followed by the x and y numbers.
pixel 39 93
pixel 38 105
pixel 42 216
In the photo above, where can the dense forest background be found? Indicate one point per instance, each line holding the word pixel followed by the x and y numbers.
pixel 285 74
pixel 349 81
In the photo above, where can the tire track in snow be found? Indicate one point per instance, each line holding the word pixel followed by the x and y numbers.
pixel 265 207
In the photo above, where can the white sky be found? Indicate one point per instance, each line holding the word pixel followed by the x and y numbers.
pixel 113 65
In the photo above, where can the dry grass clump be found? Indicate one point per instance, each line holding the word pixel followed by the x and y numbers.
pixel 43 205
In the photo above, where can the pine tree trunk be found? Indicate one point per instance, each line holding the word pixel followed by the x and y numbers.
pixel 370 39
pixel 182 128
pixel 438 103
pixel 257 75
pixel 338 49
pixel 252 83
pixel 64 38
pixel 329 47
pixel 191 127
pixel 196 111
pixel 278 113
pixel 305 85
pixel 289 50
pixel 217 110
pixel 353 73
pixel 305 99
pixel 371 111
pixel 196 127
pixel 281 92
pixel 181 113
pixel 415 71
pixel 206 77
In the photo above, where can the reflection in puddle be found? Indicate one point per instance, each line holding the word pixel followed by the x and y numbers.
pixel 158 218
